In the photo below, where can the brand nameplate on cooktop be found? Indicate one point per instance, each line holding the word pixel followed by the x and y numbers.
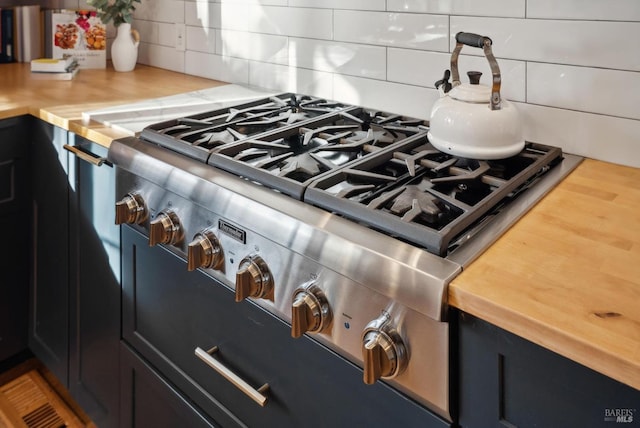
pixel 233 231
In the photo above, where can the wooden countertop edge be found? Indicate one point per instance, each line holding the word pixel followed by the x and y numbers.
pixel 548 336
pixel 96 132
pixel 18 110
pixel 91 130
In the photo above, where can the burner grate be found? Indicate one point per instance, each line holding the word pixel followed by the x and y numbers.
pixel 421 195
pixel 289 159
pixel 199 135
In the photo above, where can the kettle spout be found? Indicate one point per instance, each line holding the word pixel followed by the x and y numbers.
pixel 443 85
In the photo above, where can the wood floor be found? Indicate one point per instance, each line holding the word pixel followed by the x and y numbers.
pixel 30 397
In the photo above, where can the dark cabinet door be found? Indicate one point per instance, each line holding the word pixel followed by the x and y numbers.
pixel 507 381
pixel 94 287
pixel 49 292
pixel 148 400
pixel 74 326
pixel 14 215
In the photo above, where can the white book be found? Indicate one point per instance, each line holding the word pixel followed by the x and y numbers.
pixel 63 75
pixel 52 64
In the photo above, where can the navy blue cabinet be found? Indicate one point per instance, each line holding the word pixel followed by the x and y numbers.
pixel 507 381
pixel 75 286
pixel 14 215
pixel 94 283
pixel 49 285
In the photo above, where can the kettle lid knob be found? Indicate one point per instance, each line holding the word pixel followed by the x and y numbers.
pixel 474 77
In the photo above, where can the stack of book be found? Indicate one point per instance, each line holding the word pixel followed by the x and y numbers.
pixel 54 68
pixel 30 32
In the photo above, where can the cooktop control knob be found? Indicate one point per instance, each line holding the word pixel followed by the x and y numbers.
pixel 131 210
pixel 254 279
pixel 310 311
pixel 383 350
pixel 204 251
pixel 165 229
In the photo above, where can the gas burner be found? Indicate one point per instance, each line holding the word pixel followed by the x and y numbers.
pixel 411 203
pixel 389 121
pixel 213 138
pixel 288 159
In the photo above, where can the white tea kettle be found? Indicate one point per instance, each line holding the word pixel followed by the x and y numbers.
pixel 471 120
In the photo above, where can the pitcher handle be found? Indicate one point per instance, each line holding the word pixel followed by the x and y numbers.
pixel 135 36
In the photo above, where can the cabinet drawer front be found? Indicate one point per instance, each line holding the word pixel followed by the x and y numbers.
pixel 169 312
pixel 147 400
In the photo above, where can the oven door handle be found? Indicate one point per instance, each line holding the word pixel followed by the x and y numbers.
pixel 257 395
pixel 88 157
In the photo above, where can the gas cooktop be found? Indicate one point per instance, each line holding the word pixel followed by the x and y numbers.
pixel 373 167
pixel 343 221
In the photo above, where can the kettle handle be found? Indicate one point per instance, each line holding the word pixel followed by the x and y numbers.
pixel 477 41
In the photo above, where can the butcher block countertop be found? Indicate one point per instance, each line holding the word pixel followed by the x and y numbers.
pixel 63 102
pixel 566 276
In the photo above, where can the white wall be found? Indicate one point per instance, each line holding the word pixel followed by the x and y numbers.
pixel 573 67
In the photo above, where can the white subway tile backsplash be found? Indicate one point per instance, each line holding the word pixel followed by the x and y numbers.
pixel 573 67
pixel 392 97
pixel 149 32
pixel 594 90
pixel 618 10
pixel 407 30
pixel 292 79
pixel 504 8
pixel 201 39
pixel 606 138
pixel 588 43
pixel 235 16
pixel 218 36
pixel 414 67
pixel 166 34
pixel 161 57
pixel 217 67
pixel 340 4
pixel 202 14
pixel 161 11
pixel 343 58
pixel 258 47
pixel 295 22
pixel 425 68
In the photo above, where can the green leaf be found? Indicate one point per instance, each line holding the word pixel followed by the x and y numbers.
pixel 119 11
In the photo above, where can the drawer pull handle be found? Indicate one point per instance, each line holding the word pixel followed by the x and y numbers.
pixel 93 159
pixel 257 395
